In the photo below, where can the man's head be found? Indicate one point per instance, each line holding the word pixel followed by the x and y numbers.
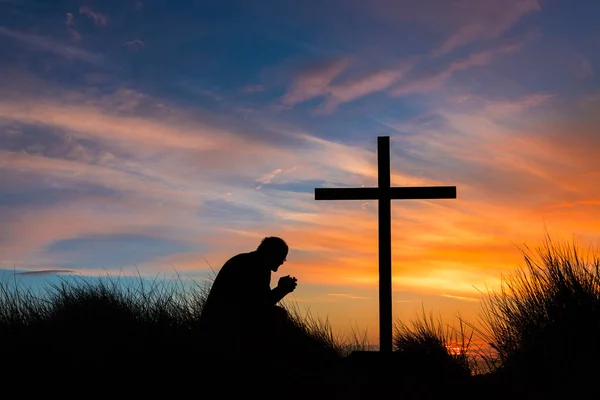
pixel 273 251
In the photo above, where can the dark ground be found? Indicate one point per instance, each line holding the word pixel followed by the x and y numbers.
pixel 124 373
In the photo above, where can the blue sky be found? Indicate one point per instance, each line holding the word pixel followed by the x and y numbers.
pixel 153 137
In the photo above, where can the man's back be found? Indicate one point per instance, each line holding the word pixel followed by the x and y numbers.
pixel 241 286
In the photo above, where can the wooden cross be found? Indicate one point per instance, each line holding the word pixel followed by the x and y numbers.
pixel 384 194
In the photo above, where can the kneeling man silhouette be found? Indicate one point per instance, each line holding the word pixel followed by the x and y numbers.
pixel 240 313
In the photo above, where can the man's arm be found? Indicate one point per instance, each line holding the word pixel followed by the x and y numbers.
pixel 286 285
pixel 275 295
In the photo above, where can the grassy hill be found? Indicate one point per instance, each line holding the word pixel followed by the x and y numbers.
pixel 543 328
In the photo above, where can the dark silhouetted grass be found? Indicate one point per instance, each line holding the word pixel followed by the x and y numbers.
pixel 127 326
pixel 431 345
pixel 321 332
pixel 105 313
pixel 544 323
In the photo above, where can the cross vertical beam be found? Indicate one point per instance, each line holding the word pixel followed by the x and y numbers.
pixel 384 211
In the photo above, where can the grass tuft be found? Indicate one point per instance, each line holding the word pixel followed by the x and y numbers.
pixel 428 343
pixel 544 323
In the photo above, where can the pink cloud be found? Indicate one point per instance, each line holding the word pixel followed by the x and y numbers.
pixel 69 19
pixel 98 18
pixel 86 121
pixel 436 81
pixel 531 161
pixel 49 45
pixel 318 82
pixel 135 45
pixel 362 86
pixel 518 105
pixel 170 190
pixel 314 81
pixel 130 122
pixel 458 22
pixel 486 19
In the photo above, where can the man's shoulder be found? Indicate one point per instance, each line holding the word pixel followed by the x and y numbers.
pixel 241 258
pixel 236 265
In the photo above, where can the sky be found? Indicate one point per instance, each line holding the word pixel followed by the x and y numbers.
pixel 160 138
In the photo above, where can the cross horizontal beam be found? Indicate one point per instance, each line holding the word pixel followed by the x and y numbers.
pixel 406 193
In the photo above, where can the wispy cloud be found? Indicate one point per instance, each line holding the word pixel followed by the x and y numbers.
pixel 98 18
pixel 45 272
pixel 135 44
pixel 74 34
pixel 318 82
pixel 69 19
pixel 163 174
pixel 314 81
pixel 486 20
pixel 436 81
pixel 358 87
pixel 323 82
pixel 51 46
pixel 472 299
pixel 87 121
